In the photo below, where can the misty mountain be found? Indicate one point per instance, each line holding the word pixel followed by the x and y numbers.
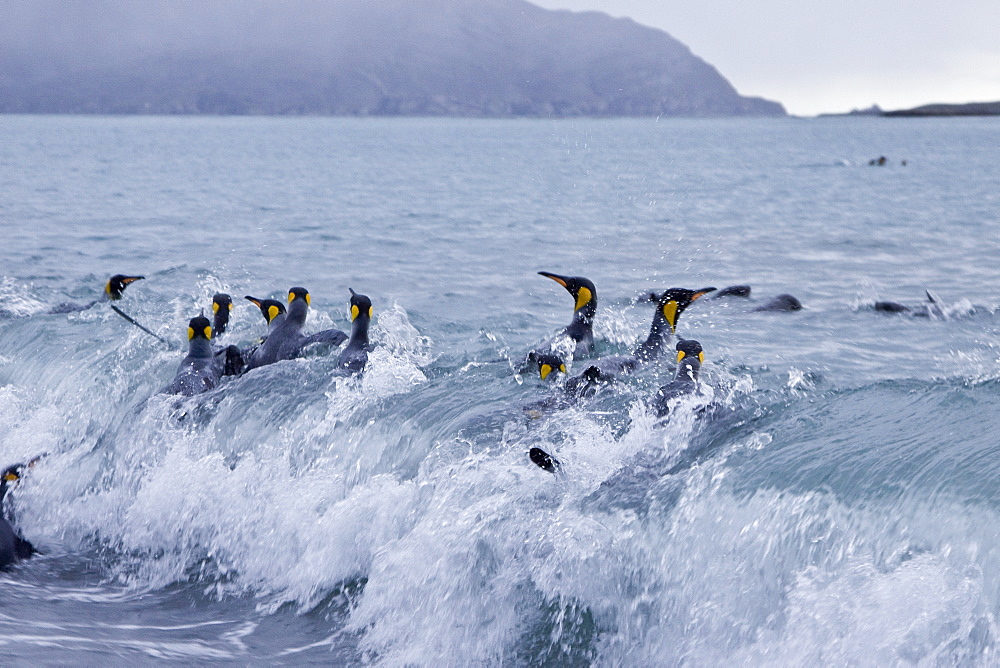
pixel 349 57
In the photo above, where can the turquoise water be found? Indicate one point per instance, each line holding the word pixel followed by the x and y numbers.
pixel 838 505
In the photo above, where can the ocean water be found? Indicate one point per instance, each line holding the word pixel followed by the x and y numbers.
pixel 838 502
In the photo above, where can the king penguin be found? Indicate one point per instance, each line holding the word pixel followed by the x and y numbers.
pixel 285 340
pixel 670 305
pixel 201 370
pixel 116 285
pixel 13 548
pixel 114 290
pixel 272 310
pixel 934 308
pixel 581 329
pixel 274 314
pixel 783 303
pixel 354 358
pixel 690 357
pixel 222 304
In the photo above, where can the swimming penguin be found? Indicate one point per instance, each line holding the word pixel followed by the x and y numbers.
pixel 549 363
pixel 934 308
pixel 13 548
pixel 285 340
pixel 272 310
pixel 201 370
pixel 689 360
pixel 550 369
pixel 274 314
pixel 113 291
pixel 116 285
pixel 581 329
pixel 354 358
pixel 733 291
pixel 671 304
pixel 222 304
pixel 781 303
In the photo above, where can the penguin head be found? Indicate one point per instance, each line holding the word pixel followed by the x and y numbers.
pixel 222 302
pixel 582 289
pixel 10 475
pixel 298 304
pixel 199 328
pixel 673 302
pixel 549 363
pixel 295 294
pixel 689 359
pixel 116 285
pixel 13 474
pixel 689 348
pixel 361 306
pixel 269 308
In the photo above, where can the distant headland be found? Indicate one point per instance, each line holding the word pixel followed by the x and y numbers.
pixel 969 109
pixel 479 58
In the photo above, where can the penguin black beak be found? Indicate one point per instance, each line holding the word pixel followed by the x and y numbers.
pixel 701 293
pixel 253 300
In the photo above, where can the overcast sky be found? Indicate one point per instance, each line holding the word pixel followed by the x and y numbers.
pixel 823 56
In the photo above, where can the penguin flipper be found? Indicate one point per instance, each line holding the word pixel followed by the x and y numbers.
pixel 333 337
pixel 543 460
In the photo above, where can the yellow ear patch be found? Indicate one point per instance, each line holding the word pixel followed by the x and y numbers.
pixel 670 313
pixel 272 312
pixel 371 310
pixel 701 357
pixel 355 312
pixel 291 296
pixel 107 287
pixel 230 307
pixel 10 477
pixel 681 355
pixel 562 367
pixel 190 333
pixel 545 370
pixel 208 333
pixel 215 307
pixel 583 297
pixel 308 299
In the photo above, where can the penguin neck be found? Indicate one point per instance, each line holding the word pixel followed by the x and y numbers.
pixel 659 335
pixel 275 322
pixel 359 331
pixel 582 325
pixel 688 370
pixel 200 347
pixel 221 320
pixel 297 312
